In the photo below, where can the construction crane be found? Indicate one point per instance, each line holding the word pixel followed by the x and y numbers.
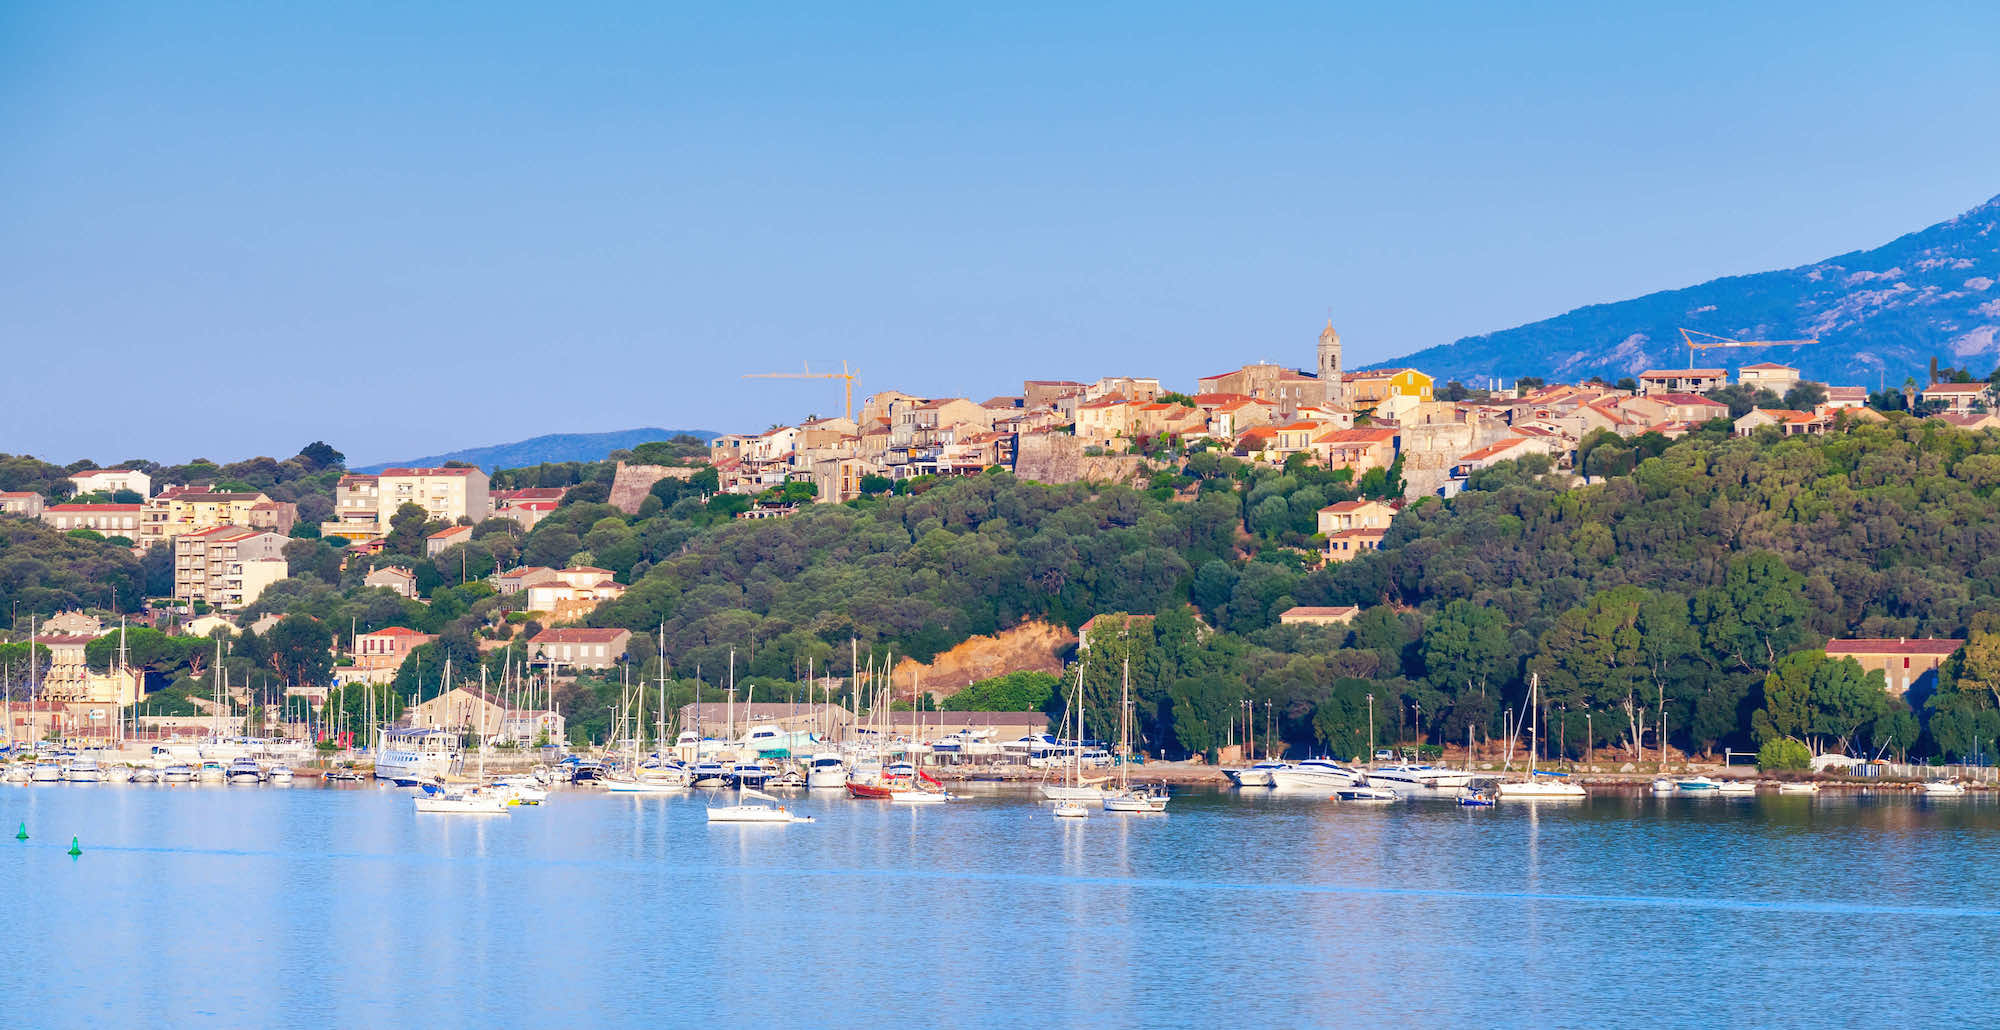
pixel 844 373
pixel 1709 340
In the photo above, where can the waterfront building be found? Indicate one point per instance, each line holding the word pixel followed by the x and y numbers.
pixel 1904 662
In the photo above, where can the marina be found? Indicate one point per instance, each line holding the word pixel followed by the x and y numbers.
pixel 988 877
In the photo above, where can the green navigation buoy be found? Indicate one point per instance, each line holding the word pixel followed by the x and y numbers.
pixel 23 835
pixel 74 849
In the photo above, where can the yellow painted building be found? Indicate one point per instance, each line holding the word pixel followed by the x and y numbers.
pixel 177 512
pixel 1367 389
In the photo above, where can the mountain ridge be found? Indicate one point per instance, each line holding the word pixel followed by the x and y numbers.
pixel 547 447
pixel 1880 315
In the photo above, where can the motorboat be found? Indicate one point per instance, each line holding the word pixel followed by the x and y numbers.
pixel 653 776
pixel 789 779
pixel 1068 809
pixel 1475 799
pixel 280 776
pixel 18 772
pixel 46 770
pixel 1320 775
pixel 212 771
pixel 1258 775
pixel 1664 785
pixel 771 810
pixel 1798 788
pixel 82 769
pixel 1736 788
pixel 524 790
pixel 1697 785
pixel 826 771
pixel 460 801
pixel 709 774
pixel 244 770
pixel 410 756
pixel 145 774
pixel 869 791
pixel 748 774
pixel 1944 789
pixel 1366 795
pixel 1420 780
pixel 178 772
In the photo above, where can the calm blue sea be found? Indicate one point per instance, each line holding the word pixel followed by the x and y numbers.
pixel 320 907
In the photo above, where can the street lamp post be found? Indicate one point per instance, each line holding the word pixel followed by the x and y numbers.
pixel 1371 727
pixel 1589 736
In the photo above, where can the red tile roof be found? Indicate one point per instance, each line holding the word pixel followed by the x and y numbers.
pixel 1901 645
pixel 578 635
pixel 396 631
pixel 67 509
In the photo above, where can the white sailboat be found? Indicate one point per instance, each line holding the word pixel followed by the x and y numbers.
pixel 1128 798
pixel 1076 789
pixel 1547 787
pixel 772 810
pixel 473 799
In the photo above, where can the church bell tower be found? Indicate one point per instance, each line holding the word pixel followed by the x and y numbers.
pixel 1329 365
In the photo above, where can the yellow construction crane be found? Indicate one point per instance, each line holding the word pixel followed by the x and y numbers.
pixel 844 373
pixel 1711 340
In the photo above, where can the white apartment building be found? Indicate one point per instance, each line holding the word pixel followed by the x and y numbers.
pixel 364 504
pixel 228 566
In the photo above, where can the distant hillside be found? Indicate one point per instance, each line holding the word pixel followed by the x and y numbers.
pixel 553 447
pixel 1880 315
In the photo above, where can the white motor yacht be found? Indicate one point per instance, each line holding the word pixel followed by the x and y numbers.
pixel 1798 788
pixel 1366 795
pixel 1420 780
pixel 179 772
pixel 1664 786
pixel 1320 775
pixel 46 770
pixel 1736 788
pixel 410 756
pixel 212 771
pixel 1258 775
pixel 145 774
pixel 771 810
pixel 1944 789
pixel 244 770
pixel 280 776
pixel 82 769
pixel 1697 785
pixel 826 772
pixel 18 772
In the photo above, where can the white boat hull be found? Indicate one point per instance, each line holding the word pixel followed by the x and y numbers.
pixel 643 787
pixel 754 814
pixel 1798 788
pixel 1293 779
pixel 1541 791
pixel 461 805
pixel 1071 810
pixel 1053 792
pixel 1250 777
pixel 918 797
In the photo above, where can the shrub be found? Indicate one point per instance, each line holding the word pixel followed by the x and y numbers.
pixel 1782 753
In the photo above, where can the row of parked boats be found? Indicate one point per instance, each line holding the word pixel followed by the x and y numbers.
pixel 83 768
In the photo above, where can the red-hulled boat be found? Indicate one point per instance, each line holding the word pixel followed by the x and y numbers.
pixel 868 791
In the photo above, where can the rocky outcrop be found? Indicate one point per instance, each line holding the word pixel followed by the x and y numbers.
pixel 1036 646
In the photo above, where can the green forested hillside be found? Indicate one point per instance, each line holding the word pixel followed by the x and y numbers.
pixel 1703 580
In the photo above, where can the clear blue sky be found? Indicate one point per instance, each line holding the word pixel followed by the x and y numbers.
pixel 230 229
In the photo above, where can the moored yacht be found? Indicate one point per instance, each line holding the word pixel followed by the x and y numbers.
pixel 826 772
pixel 46 770
pixel 280 775
pixel 1314 774
pixel 1258 775
pixel 460 801
pixel 747 811
pixel 411 756
pixel 244 770
pixel 145 774
pixel 1420 780
pixel 179 772
pixel 1696 785
pixel 82 769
